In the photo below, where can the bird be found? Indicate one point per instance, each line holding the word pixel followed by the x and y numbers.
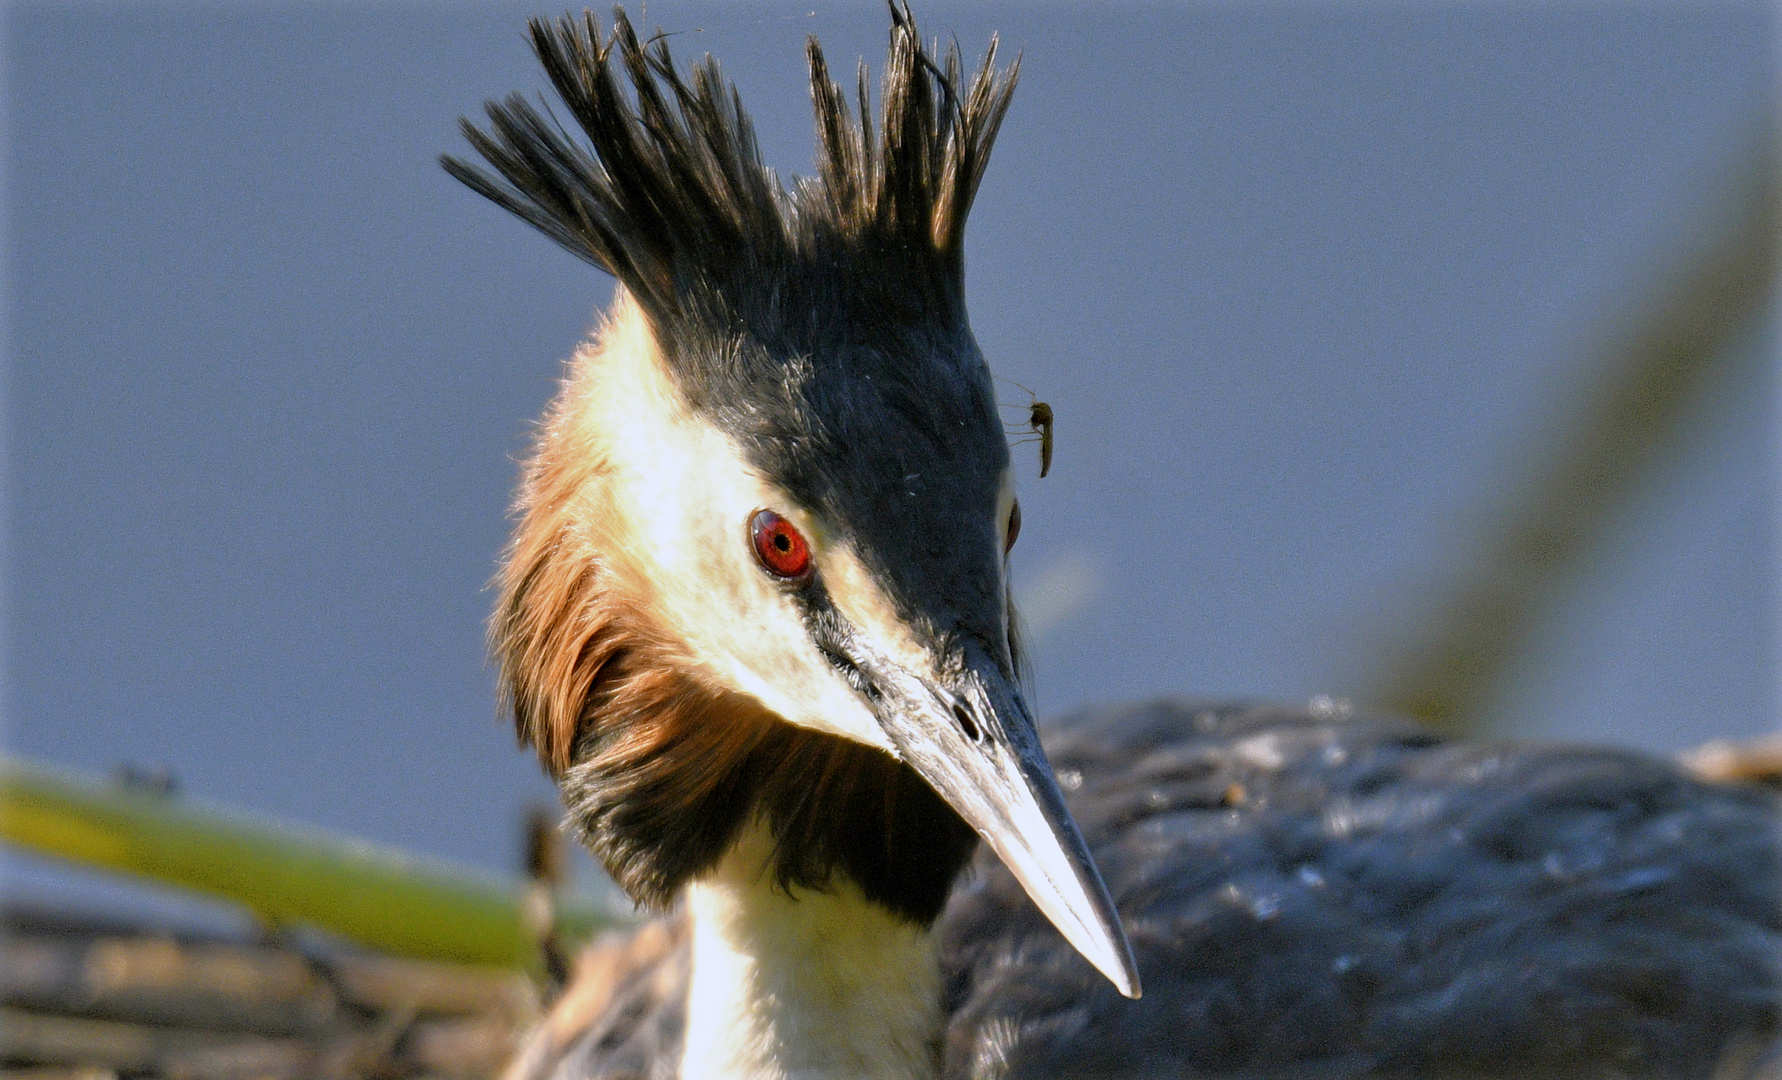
pixel 755 620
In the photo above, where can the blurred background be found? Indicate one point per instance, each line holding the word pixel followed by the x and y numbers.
pixel 1416 354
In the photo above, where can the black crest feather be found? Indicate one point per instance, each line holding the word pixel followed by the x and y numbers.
pixel 669 193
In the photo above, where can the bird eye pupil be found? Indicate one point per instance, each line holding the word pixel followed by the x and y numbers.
pixel 780 549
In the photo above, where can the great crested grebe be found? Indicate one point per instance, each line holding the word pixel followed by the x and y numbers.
pixel 755 621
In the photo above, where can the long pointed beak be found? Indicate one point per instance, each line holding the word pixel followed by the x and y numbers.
pixel 976 745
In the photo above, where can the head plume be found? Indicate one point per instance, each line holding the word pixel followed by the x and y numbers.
pixel 669 194
pixel 820 331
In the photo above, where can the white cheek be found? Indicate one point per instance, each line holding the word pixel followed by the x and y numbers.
pixel 689 497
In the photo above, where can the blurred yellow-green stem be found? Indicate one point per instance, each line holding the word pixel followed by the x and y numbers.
pixel 376 897
pixel 1681 340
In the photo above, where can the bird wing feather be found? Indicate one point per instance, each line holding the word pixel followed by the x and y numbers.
pixel 1316 894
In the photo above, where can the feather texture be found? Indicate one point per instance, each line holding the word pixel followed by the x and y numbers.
pixel 1317 896
pixel 669 193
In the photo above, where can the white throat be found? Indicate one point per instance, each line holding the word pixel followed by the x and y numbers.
pixel 807 986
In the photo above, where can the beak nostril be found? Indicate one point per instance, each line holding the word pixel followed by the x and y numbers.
pixel 966 723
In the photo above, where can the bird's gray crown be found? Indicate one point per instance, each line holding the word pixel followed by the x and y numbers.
pixel 670 195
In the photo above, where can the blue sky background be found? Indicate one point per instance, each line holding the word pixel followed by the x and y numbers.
pixel 1310 287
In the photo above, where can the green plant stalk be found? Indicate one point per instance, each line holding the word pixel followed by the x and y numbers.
pixel 1482 620
pixel 377 897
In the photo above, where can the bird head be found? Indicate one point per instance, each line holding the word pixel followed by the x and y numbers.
pixel 760 572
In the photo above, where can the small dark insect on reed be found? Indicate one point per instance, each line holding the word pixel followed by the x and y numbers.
pixel 1039 422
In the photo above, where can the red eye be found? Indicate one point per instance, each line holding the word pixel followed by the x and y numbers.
pixel 781 548
pixel 1014 528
